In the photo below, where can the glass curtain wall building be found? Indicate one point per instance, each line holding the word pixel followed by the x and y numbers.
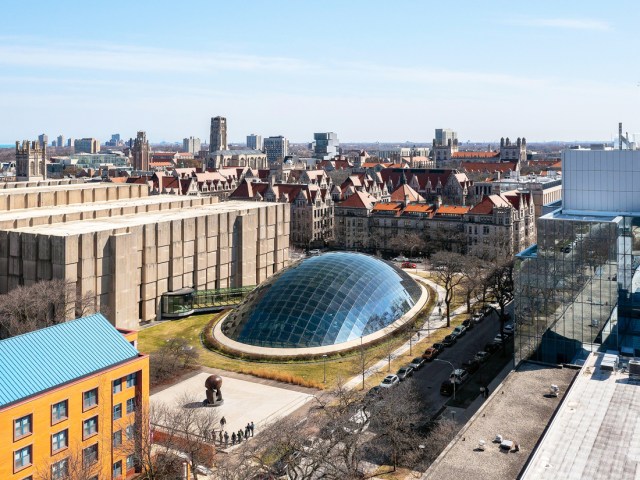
pixel 578 289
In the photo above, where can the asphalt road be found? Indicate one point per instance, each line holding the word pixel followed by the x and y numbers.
pixel 428 379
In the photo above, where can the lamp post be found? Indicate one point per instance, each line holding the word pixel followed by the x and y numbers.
pixel 324 362
pixel 453 369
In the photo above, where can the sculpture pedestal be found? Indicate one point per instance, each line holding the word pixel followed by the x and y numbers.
pixel 215 403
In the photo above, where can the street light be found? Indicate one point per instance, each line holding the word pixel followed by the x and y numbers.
pixel 454 369
pixel 324 361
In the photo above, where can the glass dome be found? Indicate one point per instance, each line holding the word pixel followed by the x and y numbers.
pixel 323 300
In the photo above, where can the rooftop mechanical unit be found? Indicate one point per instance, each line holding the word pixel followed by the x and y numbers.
pixel 634 367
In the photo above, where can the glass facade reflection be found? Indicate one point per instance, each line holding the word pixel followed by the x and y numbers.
pixel 579 289
pixel 323 300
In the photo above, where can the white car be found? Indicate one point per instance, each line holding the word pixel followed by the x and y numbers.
pixel 401 259
pixel 499 338
pixel 314 251
pixel 508 329
pixel 390 381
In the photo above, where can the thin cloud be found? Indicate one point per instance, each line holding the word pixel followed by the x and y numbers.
pixel 562 23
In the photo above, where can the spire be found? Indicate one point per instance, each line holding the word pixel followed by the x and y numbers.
pixel 403 178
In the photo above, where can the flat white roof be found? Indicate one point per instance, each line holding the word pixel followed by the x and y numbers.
pixel 134 220
pixel 596 432
pixel 50 188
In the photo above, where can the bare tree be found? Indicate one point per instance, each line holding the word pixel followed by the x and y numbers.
pixel 448 270
pixel 173 358
pixel 474 280
pixel 40 305
pixel 500 282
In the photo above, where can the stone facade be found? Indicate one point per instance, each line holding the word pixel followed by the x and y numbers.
pixel 31 159
pixel 129 252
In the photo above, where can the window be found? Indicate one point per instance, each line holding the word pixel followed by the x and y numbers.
pixel 117 411
pixel 22 458
pixel 59 412
pixel 90 399
pixel 117 438
pixel 59 441
pixel 129 432
pixel 130 462
pixel 117 469
pixel 131 405
pixel 90 455
pixel 90 427
pixel 117 386
pixel 60 470
pixel 131 380
pixel 22 427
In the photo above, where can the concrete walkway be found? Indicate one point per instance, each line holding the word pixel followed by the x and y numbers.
pixel 433 323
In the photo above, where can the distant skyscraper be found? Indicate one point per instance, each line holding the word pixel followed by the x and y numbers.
pixel 276 147
pixel 443 135
pixel 254 141
pixel 218 136
pixel 31 161
pixel 43 140
pixel 60 141
pixel 86 145
pixel 191 145
pixel 325 145
pixel 141 152
pixel 115 138
pixel 70 142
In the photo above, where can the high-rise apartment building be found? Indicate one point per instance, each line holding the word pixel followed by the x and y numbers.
pixel 86 145
pixel 141 152
pixel 31 160
pixel 70 142
pixel 191 145
pixel 43 140
pixel 218 135
pixel 443 135
pixel 60 141
pixel 276 147
pixel 254 142
pixel 325 145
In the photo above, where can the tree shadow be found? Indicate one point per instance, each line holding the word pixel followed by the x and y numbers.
pixel 193 405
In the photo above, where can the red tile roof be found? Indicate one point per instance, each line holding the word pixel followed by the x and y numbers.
pixel 403 191
pixel 451 210
pixel 359 200
pixel 488 166
pixel 458 155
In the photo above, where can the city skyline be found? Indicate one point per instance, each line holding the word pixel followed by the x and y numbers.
pixel 368 71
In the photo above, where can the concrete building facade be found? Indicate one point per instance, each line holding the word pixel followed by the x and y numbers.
pixel 129 251
pixel 218 134
pixel 141 151
pixel 86 145
pixel 191 145
pixel 254 142
pixel 31 160
pixel 276 147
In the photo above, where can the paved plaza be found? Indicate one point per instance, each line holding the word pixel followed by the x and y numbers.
pixel 244 401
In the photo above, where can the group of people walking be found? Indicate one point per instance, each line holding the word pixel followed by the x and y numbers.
pixel 235 437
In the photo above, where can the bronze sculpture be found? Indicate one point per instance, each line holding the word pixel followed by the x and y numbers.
pixel 213 384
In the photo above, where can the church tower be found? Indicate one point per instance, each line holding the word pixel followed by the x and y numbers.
pixel 31 161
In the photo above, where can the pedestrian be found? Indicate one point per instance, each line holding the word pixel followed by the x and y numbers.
pixel 246 431
pixel 226 439
pixel 233 438
pixel 486 392
pixel 440 311
pixel 252 427
pixel 239 435
pixel 221 437
pixel 223 422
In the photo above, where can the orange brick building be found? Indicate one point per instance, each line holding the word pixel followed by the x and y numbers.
pixel 72 402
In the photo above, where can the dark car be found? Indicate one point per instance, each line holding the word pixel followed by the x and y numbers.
pixel 449 340
pixel 417 363
pixel 446 388
pixel 404 372
pixel 439 347
pixel 492 347
pixel 471 366
pixel 469 324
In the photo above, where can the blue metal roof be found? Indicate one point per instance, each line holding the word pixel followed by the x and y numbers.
pixel 43 359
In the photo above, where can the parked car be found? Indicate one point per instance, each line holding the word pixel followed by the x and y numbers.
pixel 374 394
pixel 314 251
pixel 471 366
pixel 499 338
pixel 459 375
pixel 482 356
pixel 492 347
pixel 408 265
pixel 404 372
pixel 417 363
pixel 449 340
pixel 477 317
pixel 430 353
pixel 446 388
pixel 401 259
pixel 508 329
pixel 459 331
pixel 468 324
pixel 390 381
pixel 439 347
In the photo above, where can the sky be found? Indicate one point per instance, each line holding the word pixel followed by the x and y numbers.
pixel 369 70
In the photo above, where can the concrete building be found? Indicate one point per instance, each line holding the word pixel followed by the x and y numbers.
pixel 141 153
pixel 129 250
pixel 70 142
pixel 325 145
pixel 60 141
pixel 276 147
pixel 578 289
pixel 445 135
pixel 31 161
pixel 191 145
pixel 73 402
pixel 218 159
pixel 218 134
pixel 444 145
pixel 254 142
pixel 86 145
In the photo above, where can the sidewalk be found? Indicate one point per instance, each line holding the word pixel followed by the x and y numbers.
pixel 433 323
